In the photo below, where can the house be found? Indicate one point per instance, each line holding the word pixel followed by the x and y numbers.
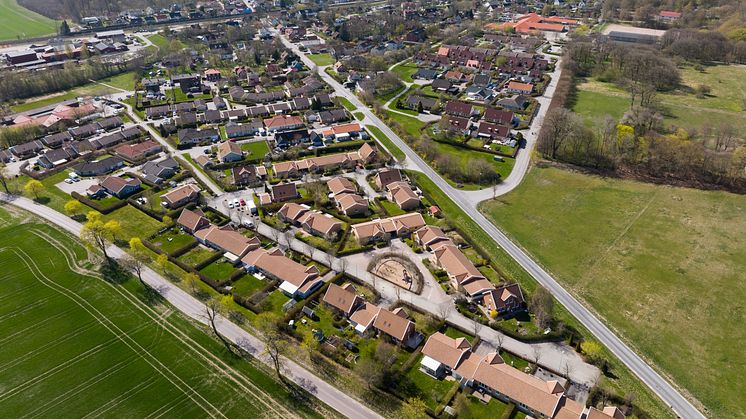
pixel 668 16
pixel 431 237
pixel 479 93
pixel 157 172
pixel 514 103
pixel 84 131
pixel 442 354
pixel 505 299
pixel 441 85
pixel 190 137
pixel 342 298
pixel 138 151
pixel 185 119
pixel 325 162
pixel 56 157
pixel 383 229
pixel 56 140
pixel 458 123
pixel 461 271
pixel 520 88
pixel 481 80
pixel 343 132
pixel 121 187
pixel 249 175
pixel 416 102
pixel 425 74
pixel 402 195
pixel 341 185
pixel 383 177
pixel 283 123
pixel 26 150
pixel 362 319
pixel 187 81
pixel 395 324
pixel 460 109
pixel 455 76
pixel 351 204
pixel 180 196
pixel 284 192
pixel 95 192
pixel 191 221
pixel 156 112
pixel 367 152
pixel 213 116
pixel 291 138
pixel 100 167
pixel 300 104
pixel 212 74
pixel 493 131
pixel 312 222
pixel 234 244
pixel 298 281
pixel 499 116
pixel 228 151
pixel 109 123
pixel 332 116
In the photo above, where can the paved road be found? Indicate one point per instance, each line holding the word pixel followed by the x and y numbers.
pixel 660 386
pixel 195 309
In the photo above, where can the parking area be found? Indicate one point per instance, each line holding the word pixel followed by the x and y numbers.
pixel 80 187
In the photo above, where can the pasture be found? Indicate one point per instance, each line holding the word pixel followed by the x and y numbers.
pixel 663 265
pixel 75 345
pixel 18 22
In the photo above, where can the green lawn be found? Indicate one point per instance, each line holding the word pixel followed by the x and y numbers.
pixel 454 333
pixel 161 41
pixel 84 346
pixel 275 300
pixel 660 249
pixel 391 208
pixel 386 141
pixel 430 390
pixel 220 270
pixel 255 149
pixel 359 116
pixel 411 126
pixel 322 60
pixel 18 22
pixel 124 81
pixel 681 108
pixel 196 255
pixel 247 285
pixel 624 382
pixel 172 239
pixel 134 222
pixel 464 157
pixel 405 71
pixel 476 409
pixel 347 104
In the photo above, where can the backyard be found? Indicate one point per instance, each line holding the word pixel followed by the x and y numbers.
pixel 220 270
pixel 255 149
pixel 660 249
pixel 196 255
pixel 172 239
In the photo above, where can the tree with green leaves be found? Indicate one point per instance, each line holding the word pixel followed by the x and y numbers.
pixel 99 233
pixel 413 408
pixel 64 28
pixel 73 207
pixel 34 188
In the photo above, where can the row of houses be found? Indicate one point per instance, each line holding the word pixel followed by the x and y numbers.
pixel 294 168
pixel 489 374
pixel 313 222
pixel 365 317
pixel 71 150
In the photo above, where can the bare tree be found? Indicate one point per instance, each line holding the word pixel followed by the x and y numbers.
pixel 444 310
pixel 500 340
pixel 342 265
pixel 276 342
pixel 212 311
pixel 476 327
pixel 536 352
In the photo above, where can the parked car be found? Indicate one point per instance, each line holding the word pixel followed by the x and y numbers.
pixel 68 180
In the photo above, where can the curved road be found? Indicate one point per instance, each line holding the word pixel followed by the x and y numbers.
pixel 670 395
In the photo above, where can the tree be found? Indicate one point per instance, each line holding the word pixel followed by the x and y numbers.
pixel 64 28
pixel 212 312
pixel 162 261
pixel 137 258
pixel 4 178
pixel 33 187
pixel 276 343
pixel 592 350
pixel 166 221
pixel 99 234
pixel 191 279
pixel 73 207
pixel 414 408
pixel 370 372
pixel 542 305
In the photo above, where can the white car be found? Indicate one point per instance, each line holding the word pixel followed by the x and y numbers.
pixel 68 180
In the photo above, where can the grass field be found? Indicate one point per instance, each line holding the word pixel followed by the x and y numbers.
pixel 464 157
pixel 681 108
pixel 76 345
pixel 405 71
pixel 255 149
pixel 622 382
pixel 322 59
pixel 347 104
pixel 18 22
pixel 161 41
pixel 662 265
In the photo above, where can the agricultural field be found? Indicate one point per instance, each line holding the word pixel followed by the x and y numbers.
pixel 681 108
pixel 75 344
pixel 642 254
pixel 18 22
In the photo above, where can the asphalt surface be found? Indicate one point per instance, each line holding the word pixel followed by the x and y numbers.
pixel 184 302
pixel 665 390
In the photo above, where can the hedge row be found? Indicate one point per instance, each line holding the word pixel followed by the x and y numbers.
pixel 183 249
pixel 145 209
pixel 97 206
pixel 446 399
pixel 354 251
pixel 216 256
pixel 508 413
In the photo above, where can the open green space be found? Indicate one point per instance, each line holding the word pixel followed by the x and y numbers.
pixel 255 149
pixel 464 158
pixel 475 408
pixel 134 222
pixel 644 257
pixel 405 70
pixel 622 381
pixel 161 41
pixel 247 285
pixel 347 104
pixel 680 108
pixel 386 141
pixel 124 81
pixel 412 126
pixel 321 59
pixel 359 116
pixel 77 345
pixel 18 22
pixel 391 208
